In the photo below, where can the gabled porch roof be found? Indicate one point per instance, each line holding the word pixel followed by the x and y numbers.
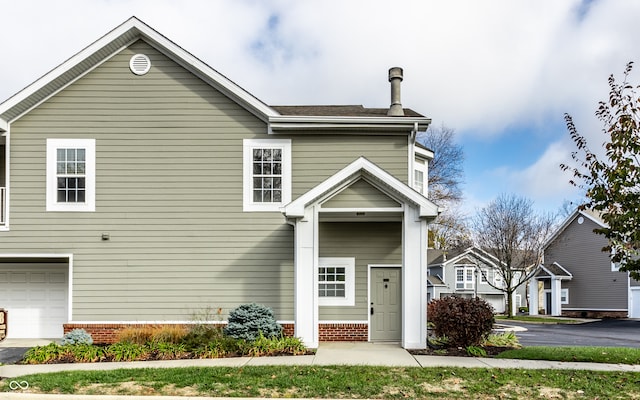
pixel 376 176
pixel 554 270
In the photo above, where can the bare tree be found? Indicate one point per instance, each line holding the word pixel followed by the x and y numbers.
pixel 446 176
pixel 446 173
pixel 510 230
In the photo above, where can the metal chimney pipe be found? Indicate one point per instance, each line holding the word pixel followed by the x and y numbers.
pixel 395 77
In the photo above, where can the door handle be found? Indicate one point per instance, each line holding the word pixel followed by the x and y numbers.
pixel 371 310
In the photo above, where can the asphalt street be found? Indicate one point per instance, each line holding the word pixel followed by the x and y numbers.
pixel 607 333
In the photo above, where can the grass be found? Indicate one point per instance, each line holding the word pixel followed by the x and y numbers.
pixel 610 355
pixel 539 320
pixel 342 382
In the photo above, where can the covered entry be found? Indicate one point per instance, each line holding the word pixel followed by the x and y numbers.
pixel 34 291
pixel 361 198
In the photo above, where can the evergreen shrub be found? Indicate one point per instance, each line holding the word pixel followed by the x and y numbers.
pixel 249 320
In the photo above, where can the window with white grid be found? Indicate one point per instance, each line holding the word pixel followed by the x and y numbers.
pixel 70 175
pixel 336 286
pixel 267 174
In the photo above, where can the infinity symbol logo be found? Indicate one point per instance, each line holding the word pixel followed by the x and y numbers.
pixel 15 385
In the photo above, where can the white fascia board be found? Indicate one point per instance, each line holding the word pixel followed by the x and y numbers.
pixel 349 174
pixel 287 123
pixel 424 153
pixel 4 126
pixel 174 51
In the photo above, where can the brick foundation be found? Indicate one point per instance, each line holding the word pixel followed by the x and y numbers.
pixel 108 333
pixel 343 332
pixel 594 314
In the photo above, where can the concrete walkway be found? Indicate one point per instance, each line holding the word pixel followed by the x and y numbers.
pixel 339 353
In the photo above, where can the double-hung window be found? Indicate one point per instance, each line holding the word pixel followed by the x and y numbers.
pixel 71 174
pixel 464 278
pixel 336 281
pixel 266 173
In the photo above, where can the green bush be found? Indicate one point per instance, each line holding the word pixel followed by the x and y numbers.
pixel 77 336
pixel 249 320
pixel 125 351
pixel 44 354
pixel 506 339
pixel 465 322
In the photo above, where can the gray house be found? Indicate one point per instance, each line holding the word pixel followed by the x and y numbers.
pixel 578 279
pixel 469 272
pixel 141 186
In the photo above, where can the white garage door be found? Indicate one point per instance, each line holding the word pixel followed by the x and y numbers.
pixel 35 296
pixel 497 301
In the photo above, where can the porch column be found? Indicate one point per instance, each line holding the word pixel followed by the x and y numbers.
pixel 533 297
pixel 556 289
pixel 414 280
pixel 305 265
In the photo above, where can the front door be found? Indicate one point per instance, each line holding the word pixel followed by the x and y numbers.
pixel 385 304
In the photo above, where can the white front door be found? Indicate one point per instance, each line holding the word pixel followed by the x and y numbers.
pixel 35 297
pixel 634 302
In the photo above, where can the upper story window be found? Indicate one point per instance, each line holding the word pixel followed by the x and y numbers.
pixel 420 177
pixel 71 174
pixel 464 278
pixel 266 173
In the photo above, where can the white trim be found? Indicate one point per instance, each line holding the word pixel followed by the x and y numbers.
pixel 89 145
pixel 68 256
pixel 633 291
pixel 328 322
pixel 564 292
pixel 248 205
pixel 139 30
pixel 594 309
pixel 7 177
pixel 352 172
pixel 349 263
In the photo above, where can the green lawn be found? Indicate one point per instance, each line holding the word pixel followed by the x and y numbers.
pixel 610 355
pixel 343 382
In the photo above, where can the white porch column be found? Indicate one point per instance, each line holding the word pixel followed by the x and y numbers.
pixel 305 266
pixel 556 289
pixel 414 280
pixel 534 305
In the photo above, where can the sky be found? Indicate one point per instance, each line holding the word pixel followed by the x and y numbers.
pixel 502 74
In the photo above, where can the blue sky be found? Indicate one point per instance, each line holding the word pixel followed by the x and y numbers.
pixel 501 73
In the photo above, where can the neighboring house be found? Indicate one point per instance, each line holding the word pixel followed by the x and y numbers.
pixel 468 272
pixel 578 279
pixel 141 186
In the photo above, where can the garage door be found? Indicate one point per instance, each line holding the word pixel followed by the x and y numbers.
pixel 35 295
pixel 497 301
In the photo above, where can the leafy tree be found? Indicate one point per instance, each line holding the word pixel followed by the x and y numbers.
pixel 510 230
pixel 612 181
pixel 446 176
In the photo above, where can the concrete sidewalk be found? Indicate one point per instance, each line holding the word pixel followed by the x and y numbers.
pixel 338 353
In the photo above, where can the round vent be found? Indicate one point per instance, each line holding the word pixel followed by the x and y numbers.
pixel 140 64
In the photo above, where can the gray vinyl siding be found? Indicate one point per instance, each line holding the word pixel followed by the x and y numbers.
pixel 361 194
pixel 169 194
pixel 594 285
pixel 369 243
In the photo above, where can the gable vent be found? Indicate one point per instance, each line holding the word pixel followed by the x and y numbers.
pixel 140 64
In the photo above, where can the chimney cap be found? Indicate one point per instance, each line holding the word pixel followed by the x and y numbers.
pixel 395 72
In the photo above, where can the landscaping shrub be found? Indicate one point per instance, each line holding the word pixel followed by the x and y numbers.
pixel 465 322
pixel 168 334
pixel 135 335
pixel 77 336
pixel 249 320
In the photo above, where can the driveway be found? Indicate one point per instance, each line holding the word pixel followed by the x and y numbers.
pixel 12 350
pixel 607 333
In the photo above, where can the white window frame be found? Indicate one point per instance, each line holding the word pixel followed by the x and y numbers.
pixel 466 283
pixel 498 282
pixel 564 296
pixel 349 264
pixel 89 145
pixel 420 167
pixel 248 205
pixel 484 275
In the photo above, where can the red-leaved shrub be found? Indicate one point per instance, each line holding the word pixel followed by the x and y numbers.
pixel 465 322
